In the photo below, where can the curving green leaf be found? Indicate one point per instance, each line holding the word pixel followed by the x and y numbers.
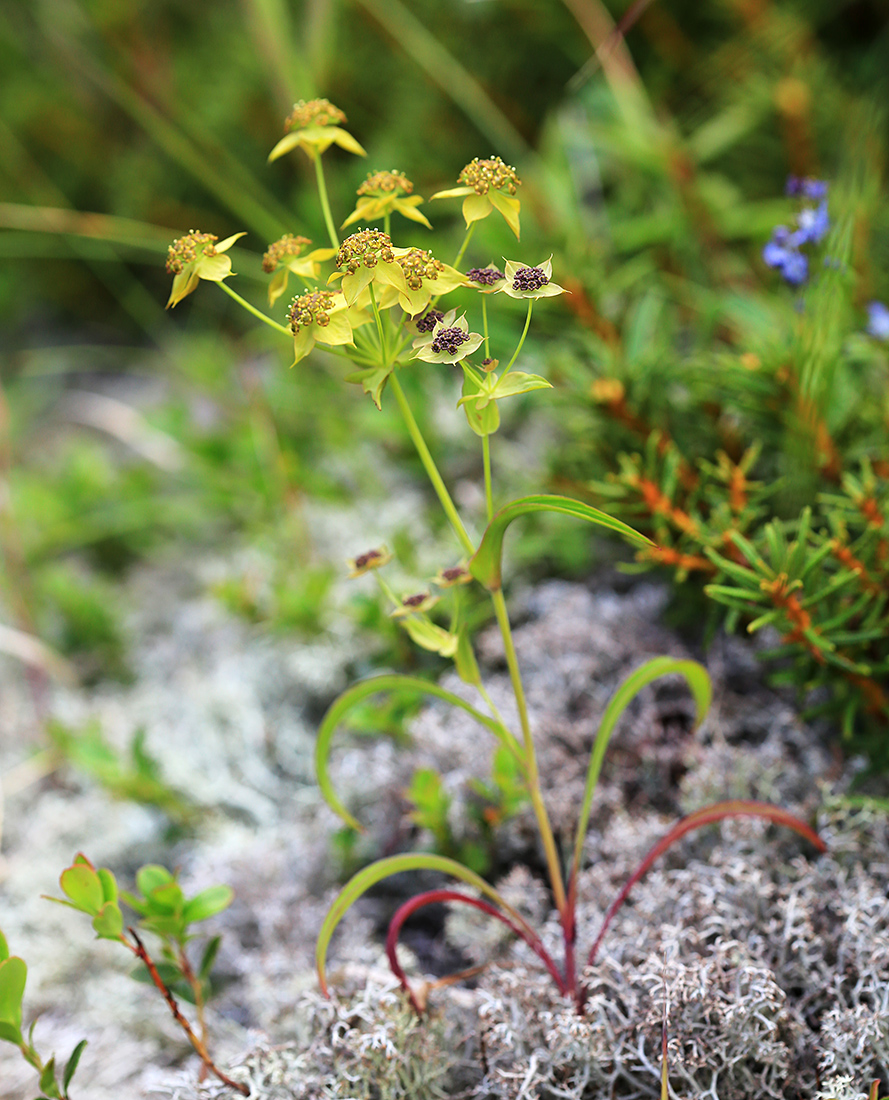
pixel 359 692
pixel 395 865
pixel 4 948
pixel 486 563
pixel 699 682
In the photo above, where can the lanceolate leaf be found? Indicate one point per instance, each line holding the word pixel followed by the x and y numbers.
pixel 73 1061
pixel 708 815
pixel 394 865
pixel 393 682
pixel 701 688
pixel 486 563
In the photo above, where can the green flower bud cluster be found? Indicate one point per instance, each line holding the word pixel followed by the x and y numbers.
pixel 418 264
pixel 378 182
pixel 366 248
pixel 315 112
pixel 484 175
pixel 311 309
pixel 287 246
pixel 184 250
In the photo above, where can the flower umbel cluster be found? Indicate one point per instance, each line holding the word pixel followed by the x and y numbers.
pixel 315 112
pixel 487 185
pixel 314 126
pixel 521 281
pixel 484 276
pixel 449 340
pixel 320 316
pixel 783 251
pixel 286 248
pixel 197 256
pixel 384 192
pixel 483 175
pixel 285 257
pixel 184 250
pixel 366 248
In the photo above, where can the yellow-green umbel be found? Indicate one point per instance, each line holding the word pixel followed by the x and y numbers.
pixel 487 185
pixel 425 277
pixel 314 126
pixel 320 316
pixel 366 258
pixel 194 257
pixel 285 256
pixel 383 192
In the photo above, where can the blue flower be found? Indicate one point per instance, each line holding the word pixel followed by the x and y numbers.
pixel 782 253
pixel 806 188
pixel 813 224
pixel 878 320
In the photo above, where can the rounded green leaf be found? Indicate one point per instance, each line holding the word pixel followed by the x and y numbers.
pixel 207 903
pixel 83 886
pixel 150 877
pixel 108 922
pixel 4 948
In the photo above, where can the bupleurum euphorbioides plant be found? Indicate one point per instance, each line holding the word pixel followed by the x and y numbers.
pixel 378 310
pixel 164 912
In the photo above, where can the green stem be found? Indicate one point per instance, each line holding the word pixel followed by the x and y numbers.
pixel 543 823
pixel 384 344
pixel 489 495
pixel 325 204
pixel 252 309
pixel 463 246
pixel 515 354
pixel 387 224
pixel 429 466
pixel 485 325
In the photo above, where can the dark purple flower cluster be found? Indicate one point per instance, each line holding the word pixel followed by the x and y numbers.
pixel 429 320
pixel 783 251
pixel 529 278
pixel 485 275
pixel 449 340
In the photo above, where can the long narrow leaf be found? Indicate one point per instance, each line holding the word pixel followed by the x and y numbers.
pixel 356 694
pixel 432 897
pixel 395 865
pixel 708 815
pixel 701 687
pixel 486 563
